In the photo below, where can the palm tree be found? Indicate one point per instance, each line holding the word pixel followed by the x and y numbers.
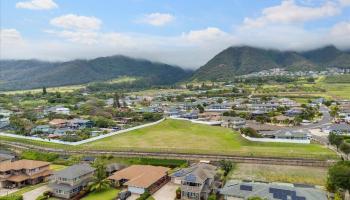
pixel 100 182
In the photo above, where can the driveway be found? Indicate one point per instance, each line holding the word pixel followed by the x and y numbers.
pixel 33 194
pixel 133 197
pixel 167 192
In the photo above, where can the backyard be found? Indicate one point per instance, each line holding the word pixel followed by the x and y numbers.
pixel 280 173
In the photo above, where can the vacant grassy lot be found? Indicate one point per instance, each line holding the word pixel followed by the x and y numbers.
pixel 186 137
pixel 281 173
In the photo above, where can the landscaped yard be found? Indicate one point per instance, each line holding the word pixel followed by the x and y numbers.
pixel 280 173
pixel 109 194
pixel 186 137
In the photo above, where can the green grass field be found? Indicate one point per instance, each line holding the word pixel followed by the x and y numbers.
pixel 280 173
pixel 186 137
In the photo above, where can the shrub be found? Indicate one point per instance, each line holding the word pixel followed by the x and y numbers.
pixel 42 197
pixel 35 155
pixel 12 197
pixel 144 196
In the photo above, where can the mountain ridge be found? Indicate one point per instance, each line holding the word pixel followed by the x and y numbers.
pixel 30 74
pixel 240 60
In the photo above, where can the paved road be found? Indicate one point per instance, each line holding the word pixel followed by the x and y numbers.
pixel 32 195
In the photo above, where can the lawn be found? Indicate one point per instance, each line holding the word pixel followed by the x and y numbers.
pixel 280 173
pixel 57 167
pixel 108 194
pixel 186 137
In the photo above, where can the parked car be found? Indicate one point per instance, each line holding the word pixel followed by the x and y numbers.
pixel 124 195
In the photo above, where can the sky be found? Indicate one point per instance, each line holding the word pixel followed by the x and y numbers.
pixel 187 33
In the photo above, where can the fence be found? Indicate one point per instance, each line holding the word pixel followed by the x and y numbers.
pixel 82 141
pixel 276 140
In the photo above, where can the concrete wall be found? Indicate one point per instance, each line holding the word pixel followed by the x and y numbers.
pixel 276 140
pixel 82 141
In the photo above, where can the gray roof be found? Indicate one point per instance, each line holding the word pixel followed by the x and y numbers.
pixel 74 171
pixel 196 173
pixel 272 191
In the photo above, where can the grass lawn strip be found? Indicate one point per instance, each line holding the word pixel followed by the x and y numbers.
pixel 108 194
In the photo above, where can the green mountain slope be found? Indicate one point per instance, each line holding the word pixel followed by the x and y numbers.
pixel 28 74
pixel 242 60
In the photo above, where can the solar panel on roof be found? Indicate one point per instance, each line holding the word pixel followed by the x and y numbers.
pixel 190 178
pixel 246 187
pixel 285 194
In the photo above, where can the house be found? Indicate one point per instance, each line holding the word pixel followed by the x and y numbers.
pixel 293 112
pixel 6 156
pixel 20 173
pixel 77 123
pixel 141 178
pixel 233 122
pixel 223 107
pixel 267 107
pixel 70 181
pixel 42 129
pixel 196 182
pixel 287 102
pixel 190 115
pixel 58 110
pixel 236 190
pixel 342 128
pixel 58 123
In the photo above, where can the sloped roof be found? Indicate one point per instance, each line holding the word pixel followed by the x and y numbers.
pixel 140 175
pixel 75 171
pixel 197 173
pixel 272 191
pixel 22 164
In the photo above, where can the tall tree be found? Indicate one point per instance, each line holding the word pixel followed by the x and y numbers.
pixel 100 182
pixel 339 176
pixel 345 148
pixel 116 103
pixel 44 90
pixel 335 139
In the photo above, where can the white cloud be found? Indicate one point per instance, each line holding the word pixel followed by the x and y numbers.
pixel 10 36
pixel 288 12
pixel 345 2
pixel 37 4
pixel 157 19
pixel 204 35
pixel 72 21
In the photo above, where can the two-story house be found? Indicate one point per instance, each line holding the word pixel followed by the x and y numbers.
pixel 196 182
pixel 233 122
pixel 70 181
pixel 20 173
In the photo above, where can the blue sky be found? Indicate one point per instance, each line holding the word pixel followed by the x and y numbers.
pixel 183 32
